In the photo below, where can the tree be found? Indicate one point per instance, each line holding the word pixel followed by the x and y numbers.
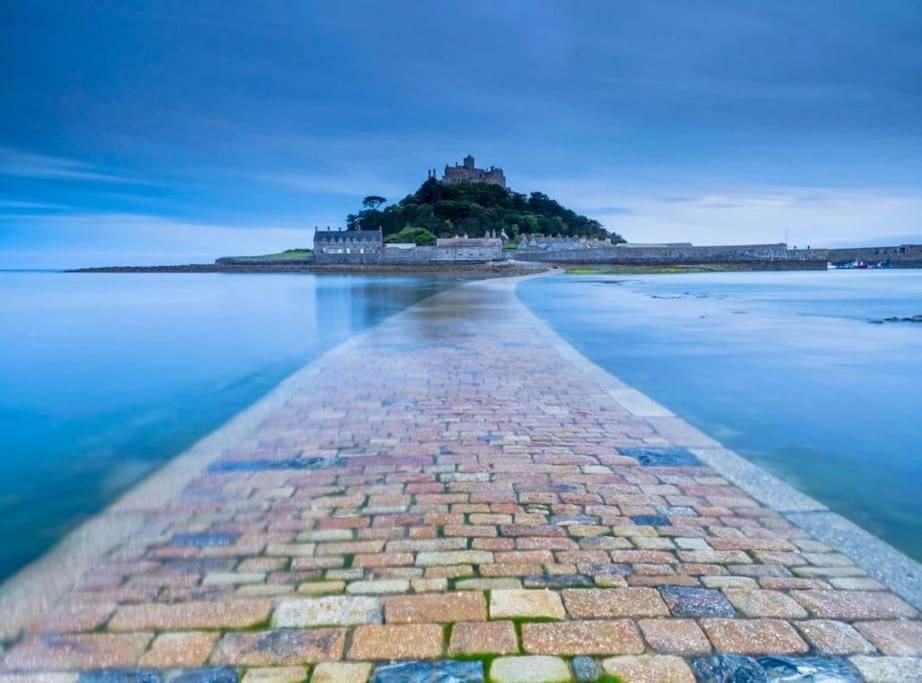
pixel 373 201
pixel 418 236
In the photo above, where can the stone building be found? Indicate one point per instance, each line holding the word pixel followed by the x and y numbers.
pixel 469 173
pixel 348 246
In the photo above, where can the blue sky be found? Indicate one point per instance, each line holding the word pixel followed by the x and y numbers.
pixel 174 131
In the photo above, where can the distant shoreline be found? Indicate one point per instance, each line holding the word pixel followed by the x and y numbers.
pixel 483 269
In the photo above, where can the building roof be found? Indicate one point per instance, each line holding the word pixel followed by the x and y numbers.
pixel 347 236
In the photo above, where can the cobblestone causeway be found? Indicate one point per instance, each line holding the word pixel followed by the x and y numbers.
pixel 453 500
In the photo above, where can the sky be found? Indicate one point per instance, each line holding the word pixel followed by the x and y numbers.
pixel 176 132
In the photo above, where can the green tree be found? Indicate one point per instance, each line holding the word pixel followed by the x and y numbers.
pixel 418 236
pixel 373 201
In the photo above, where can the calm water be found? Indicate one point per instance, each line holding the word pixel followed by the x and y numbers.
pixel 104 377
pixel 784 368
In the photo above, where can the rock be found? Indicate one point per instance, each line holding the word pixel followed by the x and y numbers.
pixel 586 669
pixel 729 669
pixel 696 602
pixel 651 520
pixel 444 671
pixel 808 670
pixel 662 457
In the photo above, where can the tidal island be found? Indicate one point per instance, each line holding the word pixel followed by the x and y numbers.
pixel 471 220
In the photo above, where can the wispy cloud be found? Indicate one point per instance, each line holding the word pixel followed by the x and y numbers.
pixel 816 216
pixel 337 183
pixel 23 164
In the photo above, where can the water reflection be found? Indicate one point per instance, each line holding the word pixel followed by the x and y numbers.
pixel 107 376
pixel 782 367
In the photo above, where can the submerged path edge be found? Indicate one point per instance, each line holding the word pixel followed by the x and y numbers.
pixel 892 568
pixel 26 596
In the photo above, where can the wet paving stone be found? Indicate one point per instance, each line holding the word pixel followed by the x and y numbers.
pixel 696 602
pixel 559 581
pixel 205 539
pixel 199 566
pixel 677 511
pixel 282 464
pixel 121 676
pixel 222 674
pixel 564 520
pixel 443 671
pixel 729 669
pixel 808 670
pixel 599 569
pixel 662 457
pixel 651 520
pixel 586 669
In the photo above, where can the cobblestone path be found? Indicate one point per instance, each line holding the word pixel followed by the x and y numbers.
pixel 453 500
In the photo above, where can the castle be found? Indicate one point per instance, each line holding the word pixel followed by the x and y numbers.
pixel 467 173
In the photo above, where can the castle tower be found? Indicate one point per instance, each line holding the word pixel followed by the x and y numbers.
pixel 469 162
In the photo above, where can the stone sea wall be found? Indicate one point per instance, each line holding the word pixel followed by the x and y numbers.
pixel 442 254
pixel 667 255
pixel 903 256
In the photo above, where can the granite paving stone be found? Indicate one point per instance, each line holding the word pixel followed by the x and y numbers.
pixel 341 672
pixel 77 651
pixel 898 637
pixel 279 674
pixel 675 636
pixel 396 641
pixel 684 601
pixel 854 604
pixel 190 615
pixel 614 602
pixel 526 604
pixel 888 669
pixel 649 668
pixel 475 638
pixel 444 671
pixel 436 608
pixel 753 636
pixel 585 669
pixel 179 648
pixel 582 638
pixel 530 669
pixel 764 603
pixel 334 610
pixel 482 495
pixel 834 637
pixel 279 647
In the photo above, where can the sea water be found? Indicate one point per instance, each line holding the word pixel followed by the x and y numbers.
pixel 104 377
pixel 792 370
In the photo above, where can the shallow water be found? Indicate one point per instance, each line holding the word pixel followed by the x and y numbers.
pixel 784 368
pixel 106 376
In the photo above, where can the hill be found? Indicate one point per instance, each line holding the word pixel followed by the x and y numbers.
pixel 475 209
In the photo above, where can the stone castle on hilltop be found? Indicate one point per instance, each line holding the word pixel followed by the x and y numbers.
pixel 468 173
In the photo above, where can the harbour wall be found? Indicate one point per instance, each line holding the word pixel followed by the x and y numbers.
pixel 902 256
pixel 777 255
